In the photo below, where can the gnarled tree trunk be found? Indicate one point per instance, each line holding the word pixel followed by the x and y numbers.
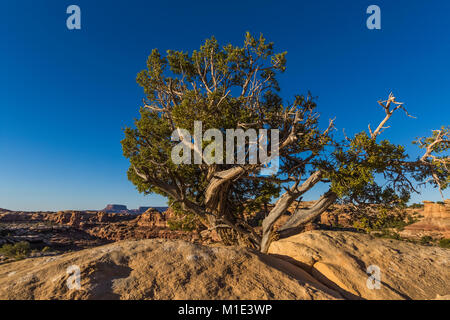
pixel 301 217
pixel 221 217
pixel 282 205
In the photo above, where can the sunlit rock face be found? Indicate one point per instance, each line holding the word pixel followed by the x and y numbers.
pixel 435 222
pixel 341 260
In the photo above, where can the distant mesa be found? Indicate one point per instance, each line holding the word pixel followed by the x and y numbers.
pixel 160 209
pixel 120 208
pixel 115 208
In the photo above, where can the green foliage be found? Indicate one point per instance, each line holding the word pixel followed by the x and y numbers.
pixel 384 219
pixel 388 234
pixel 209 85
pixel 19 250
pixel 426 240
pixel 411 219
pixel 230 87
pixel 182 220
pixel 45 249
pixel 436 161
pixel 186 222
pixel 266 192
pixel 416 206
pixel 357 163
pixel 363 224
pixel 444 243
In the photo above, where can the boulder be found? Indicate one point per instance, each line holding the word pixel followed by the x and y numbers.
pixel 160 269
pixel 341 260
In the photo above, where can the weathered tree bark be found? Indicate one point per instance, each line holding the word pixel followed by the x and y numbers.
pixel 222 220
pixel 301 217
pixel 282 205
pixel 219 179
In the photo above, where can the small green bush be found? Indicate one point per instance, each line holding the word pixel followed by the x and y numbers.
pixel 444 243
pixel 185 223
pixel 426 240
pixel 19 250
pixel 45 249
pixel 386 234
pixel 384 220
pixel 394 235
pixel 363 224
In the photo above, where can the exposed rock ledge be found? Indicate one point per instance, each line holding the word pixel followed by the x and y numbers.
pixel 160 269
pixel 340 260
pixel 436 222
pixel 323 265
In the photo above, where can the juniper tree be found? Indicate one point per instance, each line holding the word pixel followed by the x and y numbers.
pixel 236 87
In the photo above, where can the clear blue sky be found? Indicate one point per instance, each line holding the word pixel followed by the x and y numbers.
pixel 66 95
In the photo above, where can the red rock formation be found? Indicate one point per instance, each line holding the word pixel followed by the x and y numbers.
pixel 123 226
pixel 436 221
pixel 152 218
pixel 12 216
pixel 79 219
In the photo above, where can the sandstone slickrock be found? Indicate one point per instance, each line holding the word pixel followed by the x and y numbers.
pixel 159 269
pixel 340 260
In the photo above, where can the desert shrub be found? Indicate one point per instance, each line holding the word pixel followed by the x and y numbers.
pixel 185 222
pixel 45 249
pixel 387 234
pixel 383 220
pixel 181 225
pixel 444 243
pixel 181 219
pixel 19 250
pixel 416 205
pixel 363 224
pixel 400 225
pixel 426 240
